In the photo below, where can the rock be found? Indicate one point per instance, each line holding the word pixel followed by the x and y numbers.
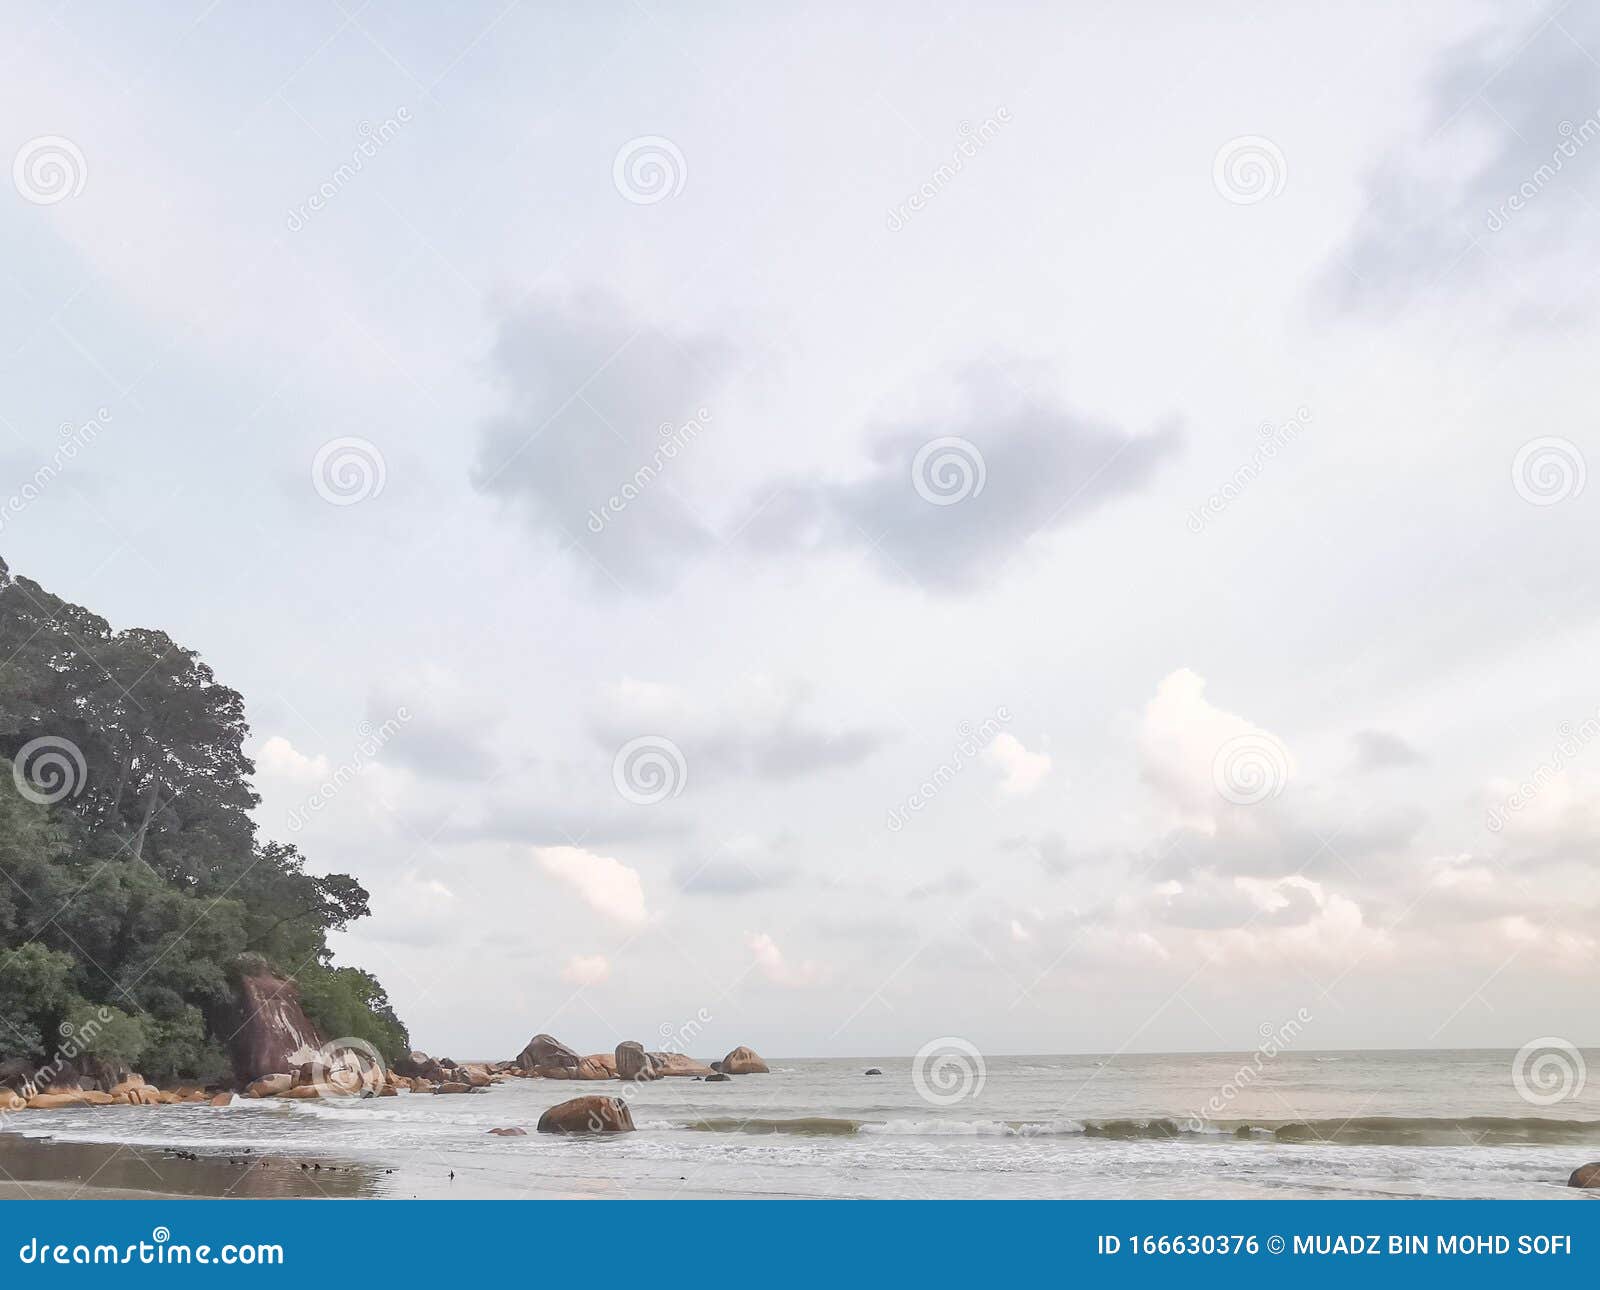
pixel 269 1086
pixel 388 1090
pixel 450 1086
pixel 413 1064
pixel 717 1077
pixel 742 1061
pixel 475 1078
pixel 873 1070
pixel 548 1057
pixel 57 1101
pixel 11 1100
pixel 588 1115
pixel 300 1091
pixel 1586 1176
pixel 222 1099
pixel 509 1133
pixel 145 1096
pixel 127 1085
pixel 669 1064
pixel 598 1066
pixel 273 1032
pixel 633 1062
pixel 196 1096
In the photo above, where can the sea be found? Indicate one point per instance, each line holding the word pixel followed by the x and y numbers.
pixel 1399 1124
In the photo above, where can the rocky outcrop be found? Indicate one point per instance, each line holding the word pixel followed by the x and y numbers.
pixel 269 1086
pixel 669 1064
pixel 451 1086
pixel 633 1062
pixel 509 1133
pixel 548 1057
pixel 588 1115
pixel 742 1061
pixel 597 1066
pixel 717 1077
pixel 1586 1176
pixel 273 1032
pixel 222 1099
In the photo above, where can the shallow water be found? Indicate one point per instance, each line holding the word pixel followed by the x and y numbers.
pixel 1443 1124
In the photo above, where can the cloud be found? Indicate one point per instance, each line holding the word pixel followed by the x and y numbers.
pixel 1021 771
pixel 1380 750
pixel 777 969
pixel 607 886
pixel 759 730
pixel 1018 463
pixel 594 452
pixel 586 969
pixel 1501 171
pixel 728 878
pixel 1204 761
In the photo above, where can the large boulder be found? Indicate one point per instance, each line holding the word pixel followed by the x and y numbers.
pixel 273 1032
pixel 269 1086
pixel 597 1066
pixel 549 1057
pixel 633 1062
pixel 588 1115
pixel 742 1061
pixel 677 1064
pixel 1586 1176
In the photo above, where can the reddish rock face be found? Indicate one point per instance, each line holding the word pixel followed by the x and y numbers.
pixel 742 1061
pixel 274 1033
pixel 588 1115
pixel 1585 1176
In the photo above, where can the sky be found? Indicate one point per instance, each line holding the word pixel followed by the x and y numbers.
pixel 1062 526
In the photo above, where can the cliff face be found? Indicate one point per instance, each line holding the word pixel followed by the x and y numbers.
pixel 273 1034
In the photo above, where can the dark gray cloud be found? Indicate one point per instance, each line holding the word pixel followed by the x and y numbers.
pixel 1505 167
pixel 595 451
pixel 1380 750
pixel 947 503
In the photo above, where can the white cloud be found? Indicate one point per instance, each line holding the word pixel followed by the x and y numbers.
pixel 775 967
pixel 586 969
pixel 1021 771
pixel 1203 760
pixel 607 886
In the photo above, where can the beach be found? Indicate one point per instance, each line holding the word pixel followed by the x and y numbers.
pixel 1356 1125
